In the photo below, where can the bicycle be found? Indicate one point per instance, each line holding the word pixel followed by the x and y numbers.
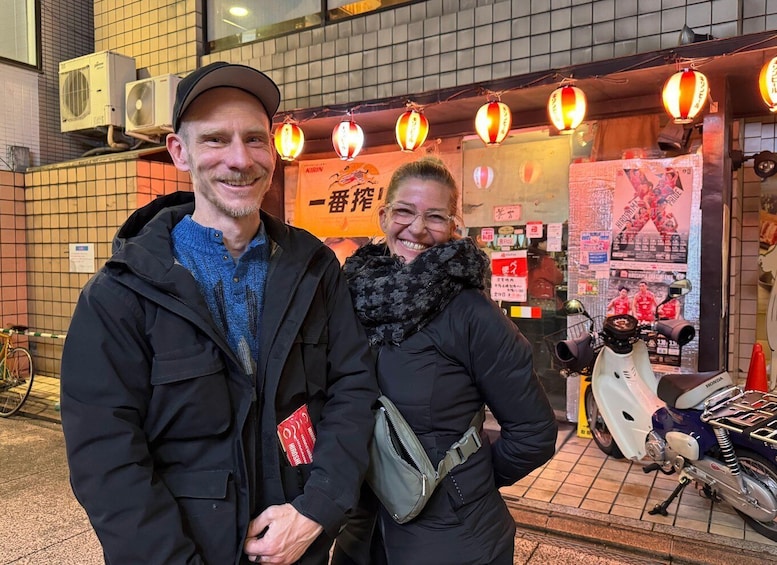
pixel 16 371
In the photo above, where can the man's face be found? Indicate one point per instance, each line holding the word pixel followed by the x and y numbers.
pixel 225 142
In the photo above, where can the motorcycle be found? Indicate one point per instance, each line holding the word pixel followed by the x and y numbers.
pixel 701 426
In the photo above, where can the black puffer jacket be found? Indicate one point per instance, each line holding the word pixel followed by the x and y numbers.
pixel 172 448
pixel 468 354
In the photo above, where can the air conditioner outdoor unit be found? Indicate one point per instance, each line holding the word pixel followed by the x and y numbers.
pixel 91 90
pixel 149 104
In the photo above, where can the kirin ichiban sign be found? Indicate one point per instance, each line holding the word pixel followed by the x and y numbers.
pixel 341 199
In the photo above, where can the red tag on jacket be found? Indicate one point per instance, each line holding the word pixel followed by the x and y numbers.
pixel 297 437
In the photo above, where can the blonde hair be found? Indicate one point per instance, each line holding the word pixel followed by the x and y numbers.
pixel 426 168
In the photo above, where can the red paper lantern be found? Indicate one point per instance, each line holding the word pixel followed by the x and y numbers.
pixel 289 141
pixel 411 129
pixel 685 93
pixel 566 108
pixel 347 139
pixel 493 122
pixel 767 84
pixel 483 177
pixel 529 172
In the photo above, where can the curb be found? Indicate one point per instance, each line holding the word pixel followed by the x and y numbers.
pixel 673 543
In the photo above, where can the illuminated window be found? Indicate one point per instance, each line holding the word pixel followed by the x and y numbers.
pixel 235 22
pixel 19 31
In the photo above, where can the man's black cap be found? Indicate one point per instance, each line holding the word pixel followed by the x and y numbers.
pixel 220 74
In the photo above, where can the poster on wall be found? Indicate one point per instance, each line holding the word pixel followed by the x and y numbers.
pixel 338 198
pixel 650 208
pixel 641 293
pixel 651 212
pixel 510 275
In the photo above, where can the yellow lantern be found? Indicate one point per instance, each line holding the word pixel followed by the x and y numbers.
pixel 685 93
pixel 411 129
pixel 347 139
pixel 566 108
pixel 289 140
pixel 493 122
pixel 767 83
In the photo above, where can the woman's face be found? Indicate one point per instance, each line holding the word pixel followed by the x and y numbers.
pixel 418 218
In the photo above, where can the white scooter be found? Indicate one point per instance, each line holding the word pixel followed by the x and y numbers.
pixel 700 425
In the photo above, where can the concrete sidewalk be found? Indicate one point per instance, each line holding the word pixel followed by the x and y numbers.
pixel 35 491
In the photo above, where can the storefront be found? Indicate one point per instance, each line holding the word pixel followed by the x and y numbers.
pixel 518 195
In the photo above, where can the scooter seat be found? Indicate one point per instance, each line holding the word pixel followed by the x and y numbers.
pixel 684 391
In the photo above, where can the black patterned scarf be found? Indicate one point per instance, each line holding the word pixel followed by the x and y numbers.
pixel 394 300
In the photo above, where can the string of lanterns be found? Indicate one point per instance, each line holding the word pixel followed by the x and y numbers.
pixel 684 96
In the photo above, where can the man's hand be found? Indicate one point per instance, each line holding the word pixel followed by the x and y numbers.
pixel 280 535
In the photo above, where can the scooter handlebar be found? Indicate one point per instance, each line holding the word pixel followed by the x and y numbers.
pixel 575 354
pixel 677 330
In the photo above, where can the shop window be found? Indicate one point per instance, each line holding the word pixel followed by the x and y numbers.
pixel 515 204
pixel 19 31
pixel 235 22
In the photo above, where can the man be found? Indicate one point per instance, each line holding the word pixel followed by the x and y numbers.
pixel 621 304
pixel 216 389
pixel 644 304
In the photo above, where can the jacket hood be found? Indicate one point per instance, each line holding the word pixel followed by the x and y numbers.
pixel 143 246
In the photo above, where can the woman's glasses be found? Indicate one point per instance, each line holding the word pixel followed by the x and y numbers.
pixel 405 216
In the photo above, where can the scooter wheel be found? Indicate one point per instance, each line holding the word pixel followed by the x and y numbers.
pixel 601 434
pixel 761 469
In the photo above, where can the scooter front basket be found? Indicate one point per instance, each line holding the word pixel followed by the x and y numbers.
pixel 579 353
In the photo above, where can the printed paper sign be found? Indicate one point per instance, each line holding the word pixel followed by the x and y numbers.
pixel 510 276
pixel 297 437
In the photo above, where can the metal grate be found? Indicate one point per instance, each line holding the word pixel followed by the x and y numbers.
pixel 75 95
pixel 752 413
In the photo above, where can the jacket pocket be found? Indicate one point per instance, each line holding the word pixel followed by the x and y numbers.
pixel 190 393
pixel 294 479
pixel 207 501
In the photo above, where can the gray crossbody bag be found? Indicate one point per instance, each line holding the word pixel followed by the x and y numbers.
pixel 400 473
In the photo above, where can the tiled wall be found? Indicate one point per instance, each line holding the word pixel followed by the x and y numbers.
pixel 164 36
pixel 81 202
pixel 748 309
pixel 442 44
pixel 420 47
pixel 13 262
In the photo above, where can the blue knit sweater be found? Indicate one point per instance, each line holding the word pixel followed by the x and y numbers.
pixel 233 288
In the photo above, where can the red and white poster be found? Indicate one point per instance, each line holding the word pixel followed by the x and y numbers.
pixel 652 212
pixel 510 277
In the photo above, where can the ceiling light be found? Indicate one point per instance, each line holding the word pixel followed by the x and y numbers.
pixel 238 11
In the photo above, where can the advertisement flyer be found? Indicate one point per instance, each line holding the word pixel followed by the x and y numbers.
pixel 651 213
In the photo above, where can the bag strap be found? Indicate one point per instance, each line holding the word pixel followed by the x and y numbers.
pixel 460 451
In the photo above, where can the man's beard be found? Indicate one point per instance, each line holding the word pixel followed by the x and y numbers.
pixel 234 212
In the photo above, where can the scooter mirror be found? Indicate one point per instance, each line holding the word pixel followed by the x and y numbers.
pixel 574 306
pixel 679 288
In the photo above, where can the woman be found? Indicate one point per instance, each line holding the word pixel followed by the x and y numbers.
pixel 443 349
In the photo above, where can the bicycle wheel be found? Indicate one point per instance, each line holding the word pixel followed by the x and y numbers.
pixel 15 380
